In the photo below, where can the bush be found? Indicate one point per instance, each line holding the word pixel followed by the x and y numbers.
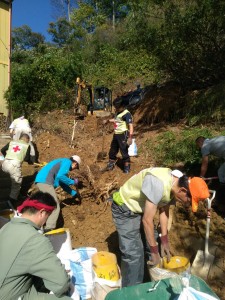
pixel 172 147
pixel 43 81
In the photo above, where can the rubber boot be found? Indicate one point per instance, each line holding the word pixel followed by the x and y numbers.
pixel 110 165
pixel 126 168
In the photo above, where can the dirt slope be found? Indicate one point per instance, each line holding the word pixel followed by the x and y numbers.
pixel 90 221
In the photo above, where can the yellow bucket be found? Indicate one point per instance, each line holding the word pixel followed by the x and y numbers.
pixel 177 264
pixel 57 231
pixel 105 265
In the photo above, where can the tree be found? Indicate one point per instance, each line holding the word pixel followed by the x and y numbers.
pixel 62 8
pixel 190 43
pixel 61 31
pixel 24 38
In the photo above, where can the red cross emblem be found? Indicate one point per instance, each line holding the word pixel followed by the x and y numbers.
pixel 17 148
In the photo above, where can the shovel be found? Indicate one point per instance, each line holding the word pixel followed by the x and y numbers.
pixel 203 260
pixel 102 154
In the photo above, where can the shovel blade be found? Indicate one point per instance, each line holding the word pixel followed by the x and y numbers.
pixel 201 264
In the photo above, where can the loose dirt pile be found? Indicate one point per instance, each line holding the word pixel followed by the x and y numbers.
pixel 90 220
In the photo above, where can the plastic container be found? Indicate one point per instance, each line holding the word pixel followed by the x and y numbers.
pixel 105 266
pixel 177 264
pixel 166 290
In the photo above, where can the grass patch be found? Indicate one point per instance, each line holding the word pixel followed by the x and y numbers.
pixel 175 146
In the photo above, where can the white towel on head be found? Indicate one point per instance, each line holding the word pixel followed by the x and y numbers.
pixel 177 173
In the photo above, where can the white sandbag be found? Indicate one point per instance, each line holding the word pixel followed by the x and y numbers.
pixel 99 291
pixel 61 242
pixel 159 273
pixel 106 274
pixel 81 272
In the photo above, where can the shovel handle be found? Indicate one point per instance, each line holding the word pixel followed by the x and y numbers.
pixel 213 192
pixel 210 178
pixel 209 202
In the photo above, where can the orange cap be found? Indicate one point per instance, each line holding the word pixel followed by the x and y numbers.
pixel 199 191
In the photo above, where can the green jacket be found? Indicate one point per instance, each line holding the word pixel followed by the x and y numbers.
pixel 24 254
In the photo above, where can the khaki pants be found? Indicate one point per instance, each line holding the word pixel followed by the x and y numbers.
pixel 52 220
pixel 13 168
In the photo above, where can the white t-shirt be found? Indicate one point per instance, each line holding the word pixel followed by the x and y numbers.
pixel 20 123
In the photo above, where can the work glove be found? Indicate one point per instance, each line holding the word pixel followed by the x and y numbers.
pixel 165 249
pixel 76 181
pixel 155 257
pixel 129 141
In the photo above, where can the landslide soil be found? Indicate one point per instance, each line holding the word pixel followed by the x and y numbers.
pixel 89 220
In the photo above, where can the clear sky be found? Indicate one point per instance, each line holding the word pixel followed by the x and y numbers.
pixel 35 13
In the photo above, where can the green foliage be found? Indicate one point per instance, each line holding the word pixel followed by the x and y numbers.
pixel 44 82
pixel 61 31
pixel 114 67
pixel 175 146
pixel 151 42
pixel 24 38
pixel 206 106
pixel 190 44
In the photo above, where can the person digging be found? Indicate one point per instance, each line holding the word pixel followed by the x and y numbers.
pixel 137 202
pixel 214 146
pixel 53 175
pixel 122 137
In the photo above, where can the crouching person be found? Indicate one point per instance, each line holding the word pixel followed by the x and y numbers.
pixel 15 153
pixel 29 265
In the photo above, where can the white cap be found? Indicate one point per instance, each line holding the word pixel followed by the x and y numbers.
pixel 177 173
pixel 77 159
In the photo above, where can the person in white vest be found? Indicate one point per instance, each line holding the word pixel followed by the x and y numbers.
pixel 19 126
pixel 15 153
pixel 122 138
pixel 137 202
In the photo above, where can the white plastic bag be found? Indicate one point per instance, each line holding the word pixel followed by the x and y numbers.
pixel 159 273
pixel 132 150
pixel 192 294
pixel 81 272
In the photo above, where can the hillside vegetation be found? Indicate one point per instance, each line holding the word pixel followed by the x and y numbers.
pixel 120 44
